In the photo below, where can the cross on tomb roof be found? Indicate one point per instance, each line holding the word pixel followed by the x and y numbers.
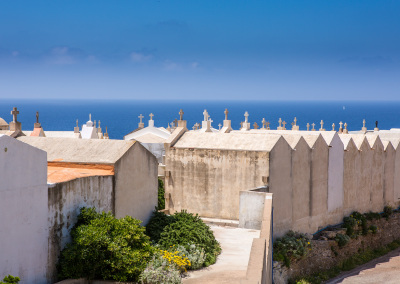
pixel 263 123
pixel 341 124
pixel 181 114
pixel 176 122
pixel 141 117
pixel 205 113
pixel 284 124
pixel 295 121
pixel 267 124
pixel 313 124
pixel 322 125
pixel 246 117
pixel 151 116
pixel 255 125
pixel 226 114
pixel 363 122
pixel 345 125
pixel 219 126
pixel 308 126
pixel 37 117
pixel 14 113
pixel 280 122
pixel 99 123
pixel 77 125
pixel 333 127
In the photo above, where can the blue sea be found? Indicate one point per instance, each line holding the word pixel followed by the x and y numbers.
pixel 121 117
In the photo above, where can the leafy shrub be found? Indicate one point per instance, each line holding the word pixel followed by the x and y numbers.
pixel 195 255
pixel 159 271
pixel 291 246
pixel 373 229
pixel 372 216
pixel 104 247
pixel 355 221
pixel 187 229
pixel 342 240
pixel 10 280
pixel 387 211
pixel 349 223
pixel 161 192
pixel 156 225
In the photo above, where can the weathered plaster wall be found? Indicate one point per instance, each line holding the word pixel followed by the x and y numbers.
pixel 136 184
pixel 377 175
pixel 23 211
pixel 351 166
pixel 208 182
pixel 280 184
pixel 64 202
pixel 335 180
pixel 397 176
pixel 319 185
pixel 388 181
pixel 301 174
pixel 251 208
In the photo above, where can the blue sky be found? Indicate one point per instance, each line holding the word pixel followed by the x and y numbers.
pixel 256 50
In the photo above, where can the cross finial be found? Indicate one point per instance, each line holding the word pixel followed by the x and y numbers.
pixel 284 124
pixel 176 123
pixel 37 117
pixel 77 125
pixel 181 114
pixel 255 125
pixel 313 125
pixel 99 123
pixel 308 126
pixel 333 127
pixel 295 121
pixel 280 122
pixel 345 125
pixel 219 126
pixel 267 125
pixel 341 125
pixel 14 113
pixel 205 113
pixel 226 114
pixel 90 117
pixel 151 116
pixel 263 123
pixel 140 117
pixel 322 125
pixel 363 122
pixel 246 117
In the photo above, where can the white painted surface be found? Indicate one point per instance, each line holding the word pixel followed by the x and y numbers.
pixel 23 211
pixel 251 209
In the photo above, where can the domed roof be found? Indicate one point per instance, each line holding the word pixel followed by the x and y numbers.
pixel 3 122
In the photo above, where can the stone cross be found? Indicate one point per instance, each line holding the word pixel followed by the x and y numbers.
pixel 322 124
pixel 176 122
pixel 341 125
pixel 333 127
pixel 181 114
pixel 140 117
pixel 267 124
pixel 363 122
pixel 151 116
pixel 284 125
pixel 345 125
pixel 205 113
pixel 246 117
pixel 295 121
pixel 219 126
pixel 308 126
pixel 14 113
pixel 226 114
pixel 77 125
pixel 313 125
pixel 255 125
pixel 90 117
pixel 280 122
pixel 37 117
pixel 263 123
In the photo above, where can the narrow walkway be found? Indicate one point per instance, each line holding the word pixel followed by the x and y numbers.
pixel 232 263
pixel 385 269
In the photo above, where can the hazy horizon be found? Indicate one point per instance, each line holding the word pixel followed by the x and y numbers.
pixel 208 50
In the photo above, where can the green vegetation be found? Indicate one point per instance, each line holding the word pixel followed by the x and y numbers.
pixel 161 192
pixel 349 264
pixel 104 247
pixel 156 225
pixel 160 270
pixel 187 229
pixel 342 240
pixel 387 211
pixel 10 280
pixel 290 247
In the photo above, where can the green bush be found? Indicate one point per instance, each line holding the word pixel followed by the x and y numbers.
pixel 161 192
pixel 104 247
pixel 189 229
pixel 342 240
pixel 291 246
pixel 156 225
pixel 196 255
pixel 160 271
pixel 10 280
pixel 387 211
pixel 373 229
pixel 372 216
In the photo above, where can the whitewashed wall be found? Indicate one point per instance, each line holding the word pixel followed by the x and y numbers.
pixel 23 211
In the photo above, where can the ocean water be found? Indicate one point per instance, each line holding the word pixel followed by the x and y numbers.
pixel 121 117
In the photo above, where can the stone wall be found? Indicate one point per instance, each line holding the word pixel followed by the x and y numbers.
pixel 64 202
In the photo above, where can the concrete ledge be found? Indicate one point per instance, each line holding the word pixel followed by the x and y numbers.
pixel 221 222
pixel 85 281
